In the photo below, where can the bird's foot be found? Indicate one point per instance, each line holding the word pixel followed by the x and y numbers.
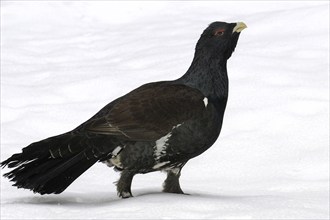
pixel 173 191
pixel 125 194
pixel 124 184
pixel 172 183
pixel 175 188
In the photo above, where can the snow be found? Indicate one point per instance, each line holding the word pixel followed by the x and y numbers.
pixel 62 61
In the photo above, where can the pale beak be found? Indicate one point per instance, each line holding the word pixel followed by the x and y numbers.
pixel 239 27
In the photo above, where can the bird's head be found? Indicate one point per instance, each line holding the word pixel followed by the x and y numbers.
pixel 219 39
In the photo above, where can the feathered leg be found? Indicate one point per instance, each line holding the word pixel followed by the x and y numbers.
pixel 172 184
pixel 124 184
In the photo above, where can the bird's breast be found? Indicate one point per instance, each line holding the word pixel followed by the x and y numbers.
pixel 189 138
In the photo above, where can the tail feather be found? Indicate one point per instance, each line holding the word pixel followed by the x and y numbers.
pixel 64 177
pixel 50 166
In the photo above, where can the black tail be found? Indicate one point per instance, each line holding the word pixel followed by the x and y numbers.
pixel 51 165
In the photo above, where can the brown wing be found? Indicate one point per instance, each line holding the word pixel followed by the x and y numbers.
pixel 149 112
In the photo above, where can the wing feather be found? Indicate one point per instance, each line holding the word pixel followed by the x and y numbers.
pixel 149 112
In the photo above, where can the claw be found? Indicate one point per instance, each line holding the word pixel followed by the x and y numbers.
pixel 125 195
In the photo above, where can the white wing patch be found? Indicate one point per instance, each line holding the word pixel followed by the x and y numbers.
pixel 205 100
pixel 162 143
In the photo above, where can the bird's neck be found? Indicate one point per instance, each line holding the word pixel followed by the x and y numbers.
pixel 209 75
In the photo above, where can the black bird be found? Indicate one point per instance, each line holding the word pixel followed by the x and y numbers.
pixel 158 126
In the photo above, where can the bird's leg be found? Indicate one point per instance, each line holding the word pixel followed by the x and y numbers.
pixel 172 184
pixel 124 184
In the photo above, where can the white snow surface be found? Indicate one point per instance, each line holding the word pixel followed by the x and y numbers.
pixel 62 61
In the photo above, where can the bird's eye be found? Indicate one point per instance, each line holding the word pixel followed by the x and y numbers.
pixel 219 32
